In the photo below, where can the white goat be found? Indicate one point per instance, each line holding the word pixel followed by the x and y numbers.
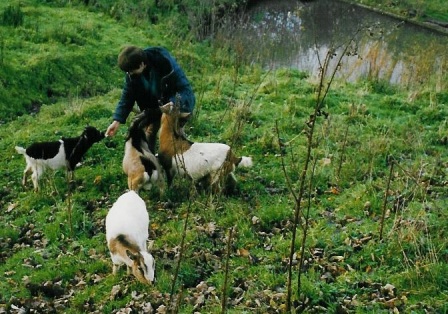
pixel 209 163
pixel 139 163
pixel 65 153
pixel 127 224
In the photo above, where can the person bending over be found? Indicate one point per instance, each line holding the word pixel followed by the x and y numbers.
pixel 153 78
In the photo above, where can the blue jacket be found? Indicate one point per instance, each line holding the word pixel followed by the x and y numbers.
pixel 160 81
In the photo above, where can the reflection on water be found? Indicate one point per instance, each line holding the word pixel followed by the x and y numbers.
pixel 288 33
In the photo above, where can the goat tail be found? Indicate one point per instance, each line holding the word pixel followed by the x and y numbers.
pixel 160 171
pixel 20 150
pixel 245 162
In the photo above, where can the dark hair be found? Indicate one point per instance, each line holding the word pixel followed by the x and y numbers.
pixel 130 58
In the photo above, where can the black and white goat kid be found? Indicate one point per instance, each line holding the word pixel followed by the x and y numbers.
pixel 65 153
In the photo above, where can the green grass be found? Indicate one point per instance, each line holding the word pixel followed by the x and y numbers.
pixel 53 252
pixel 417 9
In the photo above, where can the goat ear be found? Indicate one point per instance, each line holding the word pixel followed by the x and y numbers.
pixel 131 255
pixel 185 115
pixel 165 108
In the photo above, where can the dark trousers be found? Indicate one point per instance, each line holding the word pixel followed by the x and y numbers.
pixel 151 134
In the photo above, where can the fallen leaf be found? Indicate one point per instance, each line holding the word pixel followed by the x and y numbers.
pixel 333 190
pixel 97 278
pixel 210 228
pixel 115 291
pixel 388 290
pixel 81 283
pixel 199 301
pixel 147 307
pixel 161 309
pixel 243 252
pixel 392 303
pixel 136 296
pixel 11 207
pixel 202 286
pixel 97 180
pixel 336 258
pixel 326 161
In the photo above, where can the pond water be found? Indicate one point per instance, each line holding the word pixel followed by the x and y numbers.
pixel 290 33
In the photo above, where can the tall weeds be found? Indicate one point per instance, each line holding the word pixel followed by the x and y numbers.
pixel 386 193
pixel 326 77
pixel 226 272
pixel 411 232
pixel 174 307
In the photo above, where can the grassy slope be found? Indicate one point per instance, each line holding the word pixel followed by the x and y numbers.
pixel 60 51
pixel 43 260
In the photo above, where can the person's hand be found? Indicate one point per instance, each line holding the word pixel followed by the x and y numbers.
pixel 113 128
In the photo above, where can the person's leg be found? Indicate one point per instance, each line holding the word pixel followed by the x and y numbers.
pixel 151 134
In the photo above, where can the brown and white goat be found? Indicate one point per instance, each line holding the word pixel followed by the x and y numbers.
pixel 65 153
pixel 139 163
pixel 209 163
pixel 127 224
